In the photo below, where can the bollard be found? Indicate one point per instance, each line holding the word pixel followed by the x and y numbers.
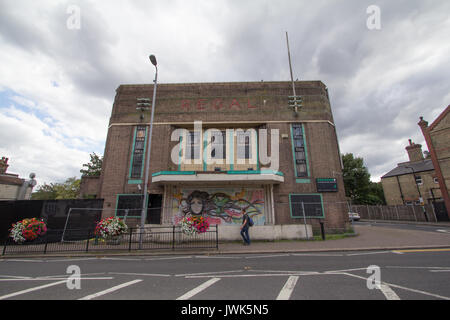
pixel 322 229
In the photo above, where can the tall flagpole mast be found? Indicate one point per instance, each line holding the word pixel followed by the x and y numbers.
pixel 290 65
pixel 296 100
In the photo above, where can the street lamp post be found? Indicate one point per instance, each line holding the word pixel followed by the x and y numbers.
pixel 418 190
pixel 147 160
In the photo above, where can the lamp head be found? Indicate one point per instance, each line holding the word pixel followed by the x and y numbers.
pixel 153 59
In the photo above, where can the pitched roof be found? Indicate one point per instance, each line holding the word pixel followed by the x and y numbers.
pixel 405 168
pixel 439 118
pixel 11 179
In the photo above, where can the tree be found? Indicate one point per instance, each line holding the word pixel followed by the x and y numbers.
pixel 358 186
pixel 53 191
pixel 93 167
pixel 377 193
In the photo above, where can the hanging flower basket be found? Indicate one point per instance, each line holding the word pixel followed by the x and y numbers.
pixel 27 230
pixel 111 229
pixel 194 225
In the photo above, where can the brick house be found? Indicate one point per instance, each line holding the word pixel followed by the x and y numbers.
pixel 437 138
pixel 11 186
pixel 411 181
pixel 221 148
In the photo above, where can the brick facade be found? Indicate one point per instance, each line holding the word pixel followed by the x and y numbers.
pixel 225 106
pixel 437 137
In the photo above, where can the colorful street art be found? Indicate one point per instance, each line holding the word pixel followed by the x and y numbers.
pixel 219 206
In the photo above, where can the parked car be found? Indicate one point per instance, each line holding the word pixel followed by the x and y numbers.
pixel 353 216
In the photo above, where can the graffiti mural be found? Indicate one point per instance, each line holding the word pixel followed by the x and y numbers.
pixel 219 206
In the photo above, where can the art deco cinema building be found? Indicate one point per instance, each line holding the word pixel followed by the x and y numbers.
pixel 221 148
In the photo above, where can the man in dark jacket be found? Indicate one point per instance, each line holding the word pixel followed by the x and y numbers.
pixel 244 228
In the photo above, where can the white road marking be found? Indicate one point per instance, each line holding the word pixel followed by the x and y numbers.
pixel 168 258
pixel 404 288
pixel 115 288
pixel 287 271
pixel 31 289
pixel 442 230
pixel 206 273
pixel 316 255
pixel 346 270
pixel 65 275
pixel 121 259
pixel 404 267
pixel 444 270
pixel 256 275
pixel 17 277
pixel 198 289
pixel 288 288
pixel 141 274
pixel 366 253
pixel 384 288
pixel 219 257
pixel 60 278
pixel 388 292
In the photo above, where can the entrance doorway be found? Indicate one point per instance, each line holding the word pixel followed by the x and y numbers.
pixel 154 209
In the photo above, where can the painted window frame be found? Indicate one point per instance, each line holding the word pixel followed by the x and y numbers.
pixel 217 145
pixel 132 174
pixel 299 141
pixel 129 194
pixel 306 194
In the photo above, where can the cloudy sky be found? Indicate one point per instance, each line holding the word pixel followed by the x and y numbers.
pixel 58 73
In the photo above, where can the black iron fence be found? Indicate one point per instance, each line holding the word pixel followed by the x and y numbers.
pixel 84 240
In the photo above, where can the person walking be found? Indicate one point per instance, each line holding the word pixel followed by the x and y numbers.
pixel 244 228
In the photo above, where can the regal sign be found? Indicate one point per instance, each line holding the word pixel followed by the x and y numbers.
pixel 217 104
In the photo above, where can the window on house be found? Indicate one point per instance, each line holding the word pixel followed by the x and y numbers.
pixel 299 150
pixel 138 153
pixel 419 180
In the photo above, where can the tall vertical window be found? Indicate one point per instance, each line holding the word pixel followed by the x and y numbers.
pixel 138 153
pixel 244 145
pixel 299 150
pixel 193 145
pixel 218 144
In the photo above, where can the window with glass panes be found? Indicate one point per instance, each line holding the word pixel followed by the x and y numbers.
pixel 244 145
pixel 138 153
pixel 218 144
pixel 193 145
pixel 299 150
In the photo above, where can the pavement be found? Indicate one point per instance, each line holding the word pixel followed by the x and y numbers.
pixel 366 238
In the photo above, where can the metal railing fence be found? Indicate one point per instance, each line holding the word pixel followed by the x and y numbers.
pixel 84 240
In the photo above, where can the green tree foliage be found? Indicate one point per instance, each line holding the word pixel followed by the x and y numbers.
pixel 53 191
pixel 93 167
pixel 358 186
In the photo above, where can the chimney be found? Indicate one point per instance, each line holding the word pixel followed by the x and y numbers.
pixel 414 152
pixel 3 165
pixel 422 123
